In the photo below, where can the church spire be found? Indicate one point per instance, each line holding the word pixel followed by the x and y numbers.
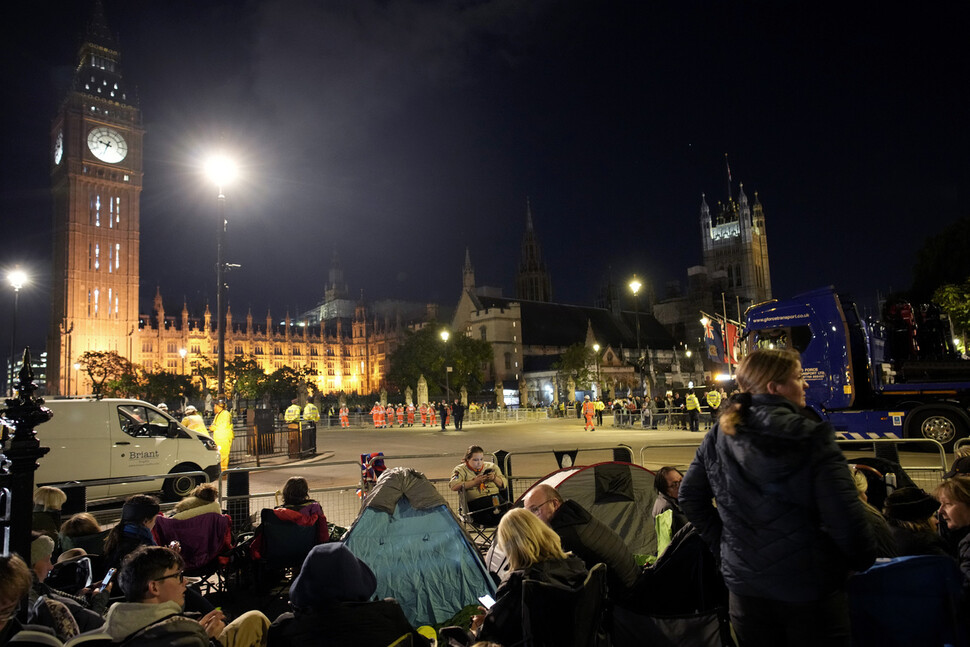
pixel 336 285
pixel 468 272
pixel 532 282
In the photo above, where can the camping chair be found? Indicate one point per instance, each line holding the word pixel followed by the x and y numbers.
pixel 205 542
pixel 71 576
pixel 913 600
pixel 371 468
pixel 284 547
pixel 481 516
pixel 545 607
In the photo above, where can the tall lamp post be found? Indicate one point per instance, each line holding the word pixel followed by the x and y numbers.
pixel 77 378
pixel 635 286
pixel 17 278
pixel 596 349
pixel 182 353
pixel 221 170
pixel 444 337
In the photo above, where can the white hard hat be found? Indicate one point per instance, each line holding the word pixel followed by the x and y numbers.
pixel 163 406
pixel 191 409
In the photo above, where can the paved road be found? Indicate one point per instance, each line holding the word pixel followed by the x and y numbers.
pixel 530 443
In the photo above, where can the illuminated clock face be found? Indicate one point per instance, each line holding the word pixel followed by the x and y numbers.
pixel 59 147
pixel 107 145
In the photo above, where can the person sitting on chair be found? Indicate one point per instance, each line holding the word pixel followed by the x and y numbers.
pixel 477 477
pixel 585 536
pixel 47 510
pixel 534 553
pixel 134 530
pixel 202 500
pixel 332 597
pixel 154 587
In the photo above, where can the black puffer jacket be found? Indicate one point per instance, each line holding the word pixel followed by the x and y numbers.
pixel 788 524
pixel 594 542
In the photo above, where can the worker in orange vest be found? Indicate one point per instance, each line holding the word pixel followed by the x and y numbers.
pixel 410 411
pixel 589 410
pixel 423 410
pixel 389 415
pixel 432 415
pixel 344 417
pixel 400 415
pixel 377 413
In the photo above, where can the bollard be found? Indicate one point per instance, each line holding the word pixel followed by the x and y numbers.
pixel 237 484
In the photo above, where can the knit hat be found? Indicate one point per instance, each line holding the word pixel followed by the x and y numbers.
pixel 332 573
pixel 960 466
pixel 910 504
pixel 40 548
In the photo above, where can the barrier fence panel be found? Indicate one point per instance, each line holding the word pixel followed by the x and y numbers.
pixel 657 458
pixel 926 476
pixel 647 420
pixel 558 459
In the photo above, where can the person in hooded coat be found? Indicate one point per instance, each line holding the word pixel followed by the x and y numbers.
pixel 788 526
pixel 331 600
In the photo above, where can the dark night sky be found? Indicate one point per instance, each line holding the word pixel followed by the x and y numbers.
pixel 404 130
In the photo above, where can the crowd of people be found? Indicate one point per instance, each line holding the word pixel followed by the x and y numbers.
pixel 769 494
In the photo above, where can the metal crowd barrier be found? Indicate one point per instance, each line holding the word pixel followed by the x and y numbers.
pixel 661 420
pixel 925 476
pixel 662 463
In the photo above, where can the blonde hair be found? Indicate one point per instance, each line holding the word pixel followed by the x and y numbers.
pixel 526 540
pixel 51 498
pixel 756 371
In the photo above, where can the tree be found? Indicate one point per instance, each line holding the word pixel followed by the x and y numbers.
pixel 283 384
pixel 954 299
pixel 424 353
pixel 102 366
pixel 163 386
pixel 575 363
pixel 245 377
pixel 942 259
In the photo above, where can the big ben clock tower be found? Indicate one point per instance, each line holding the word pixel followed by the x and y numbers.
pixel 96 179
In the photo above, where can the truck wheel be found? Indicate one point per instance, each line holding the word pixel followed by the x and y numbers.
pixel 178 487
pixel 942 425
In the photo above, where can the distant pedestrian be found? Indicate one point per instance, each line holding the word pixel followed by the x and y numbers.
pixel 443 412
pixel 458 411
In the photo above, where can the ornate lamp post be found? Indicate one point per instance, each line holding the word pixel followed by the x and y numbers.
pixel 596 349
pixel 635 286
pixel 221 170
pixel 444 337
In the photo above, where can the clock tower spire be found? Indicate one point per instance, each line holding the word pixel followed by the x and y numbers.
pixel 96 180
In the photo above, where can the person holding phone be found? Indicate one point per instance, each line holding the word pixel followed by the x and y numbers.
pixel 476 476
pixel 87 609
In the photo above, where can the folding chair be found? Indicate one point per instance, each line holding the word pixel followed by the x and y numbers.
pixel 480 516
pixel 283 547
pixel 556 616
pixel 205 542
pixel 371 468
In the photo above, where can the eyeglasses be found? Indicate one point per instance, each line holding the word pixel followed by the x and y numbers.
pixel 535 509
pixel 179 574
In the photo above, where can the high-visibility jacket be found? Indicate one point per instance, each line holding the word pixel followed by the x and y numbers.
pixel 599 405
pixel 222 434
pixel 589 409
pixel 377 413
pixel 292 413
pixel 195 422
pixel 410 411
pixel 692 403
pixel 713 399
pixel 310 412
pixel 400 414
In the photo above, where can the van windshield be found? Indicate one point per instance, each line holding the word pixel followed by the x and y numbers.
pixel 140 421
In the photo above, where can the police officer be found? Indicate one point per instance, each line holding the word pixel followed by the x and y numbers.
pixel 693 412
pixel 714 402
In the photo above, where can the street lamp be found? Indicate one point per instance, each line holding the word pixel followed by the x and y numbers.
pixel 183 352
pixel 444 337
pixel 77 378
pixel 17 278
pixel 635 286
pixel 221 170
pixel 596 349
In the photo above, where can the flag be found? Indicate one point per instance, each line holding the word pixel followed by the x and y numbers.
pixel 714 340
pixel 733 342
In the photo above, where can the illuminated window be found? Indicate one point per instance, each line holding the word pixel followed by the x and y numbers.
pixel 195 349
pixel 109 302
pixel 237 350
pixel 117 255
pixel 95 207
pixel 116 306
pixel 97 257
pixel 171 347
pixel 97 294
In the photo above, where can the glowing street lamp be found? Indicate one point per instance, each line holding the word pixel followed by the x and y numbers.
pixel 221 170
pixel 17 278
pixel 635 286
pixel 444 337
pixel 183 352
pixel 596 349
pixel 77 378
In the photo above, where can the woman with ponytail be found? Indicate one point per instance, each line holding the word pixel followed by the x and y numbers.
pixel 771 493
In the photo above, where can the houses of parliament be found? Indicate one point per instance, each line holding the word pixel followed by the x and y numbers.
pixel 97 176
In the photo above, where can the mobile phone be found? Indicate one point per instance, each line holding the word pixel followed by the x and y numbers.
pixel 486 601
pixel 489 470
pixel 107 578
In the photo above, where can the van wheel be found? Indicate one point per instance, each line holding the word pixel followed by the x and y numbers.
pixel 179 487
pixel 942 425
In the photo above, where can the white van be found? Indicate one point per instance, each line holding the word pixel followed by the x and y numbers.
pixel 116 438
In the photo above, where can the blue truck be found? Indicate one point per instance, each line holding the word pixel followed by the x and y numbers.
pixel 882 378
